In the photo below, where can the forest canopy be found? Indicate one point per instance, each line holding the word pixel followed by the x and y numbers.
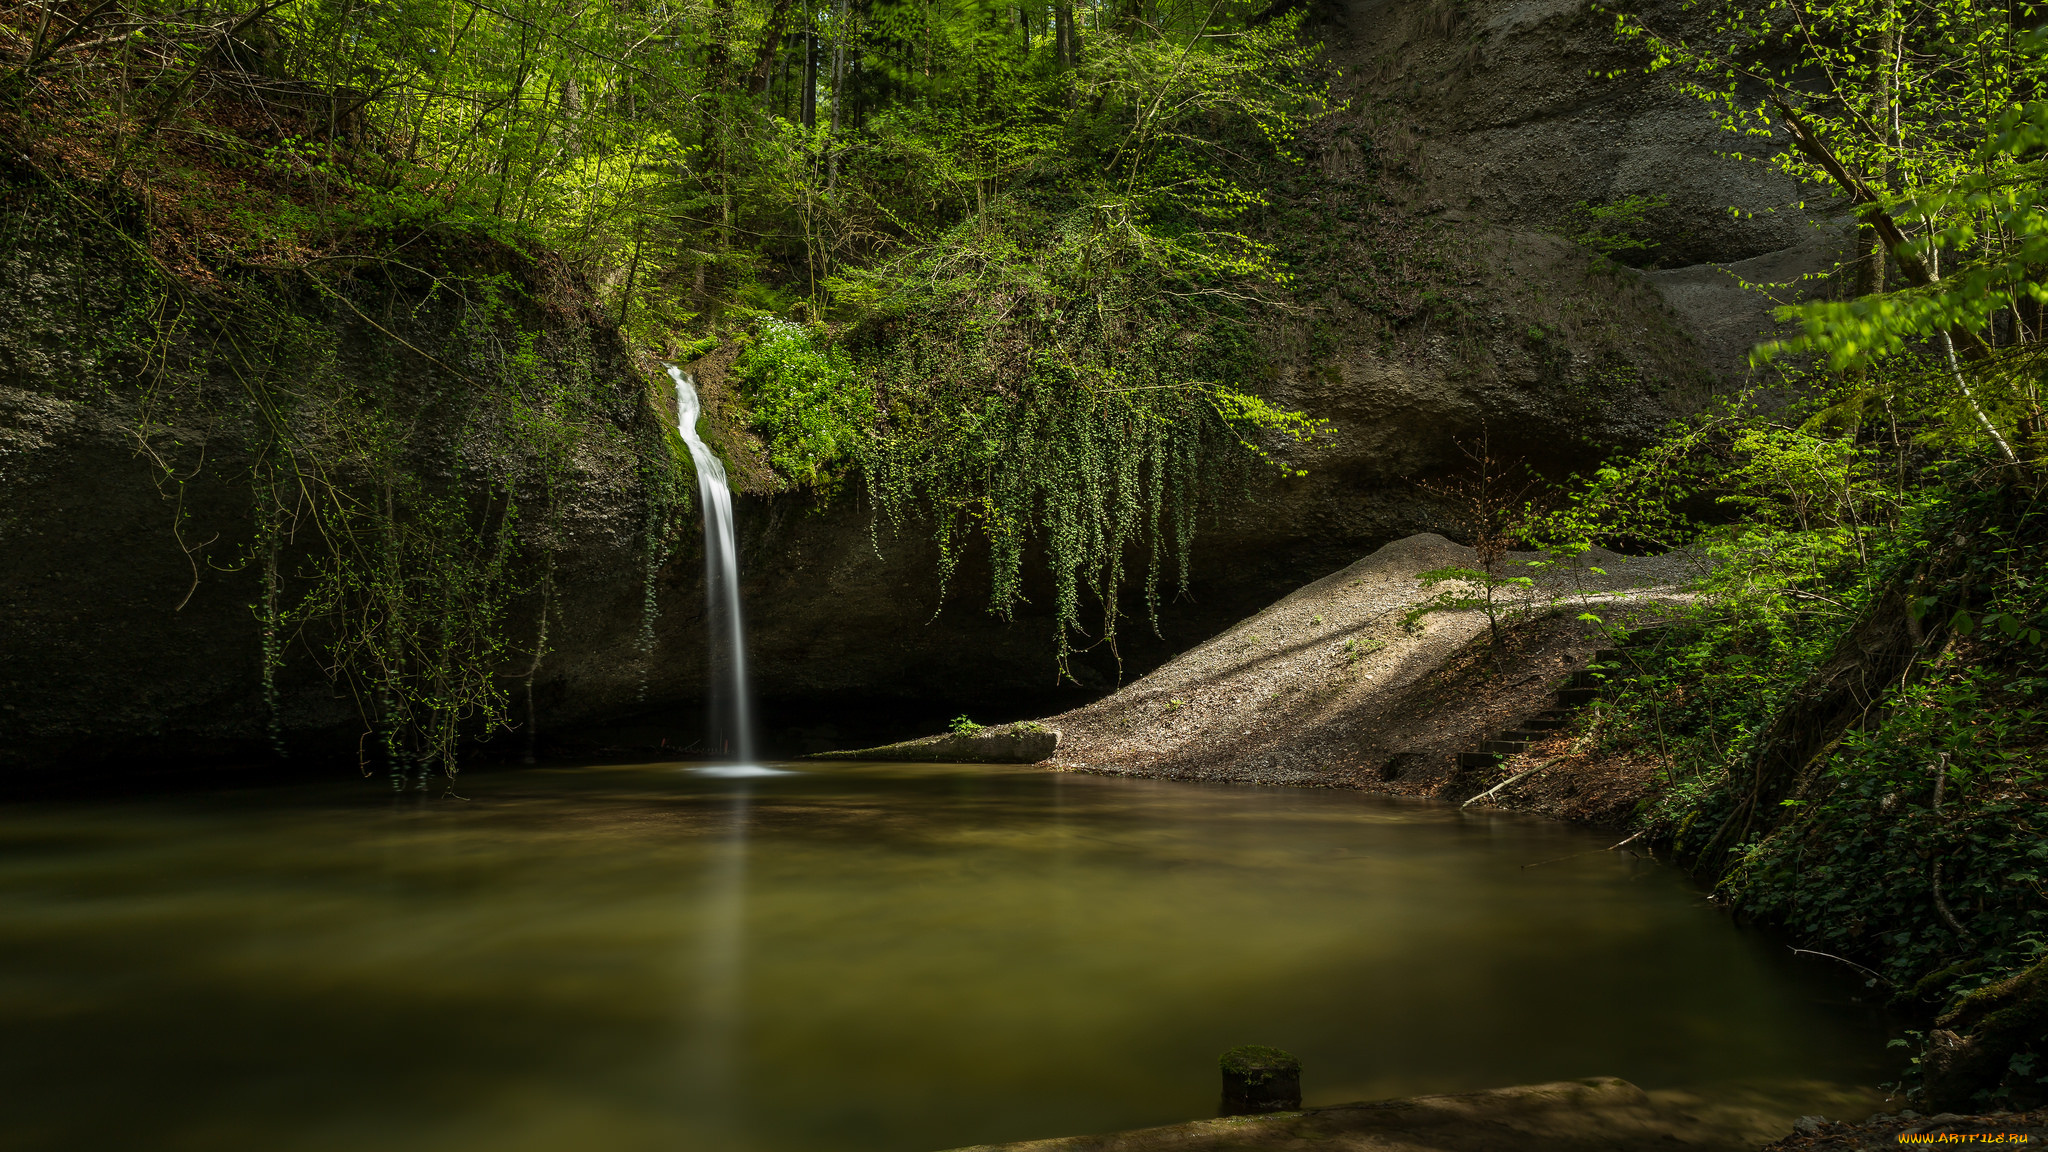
pixel 990 259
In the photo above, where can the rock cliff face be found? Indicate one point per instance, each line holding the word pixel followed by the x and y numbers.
pixel 1441 300
pixel 1513 114
pixel 130 574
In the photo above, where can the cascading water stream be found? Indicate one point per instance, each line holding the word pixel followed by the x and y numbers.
pixel 732 727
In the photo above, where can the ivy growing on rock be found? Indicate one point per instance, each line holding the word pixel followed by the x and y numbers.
pixel 404 434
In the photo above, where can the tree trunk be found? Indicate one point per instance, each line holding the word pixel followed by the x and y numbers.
pixel 809 101
pixel 1915 271
pixel 1877 656
pixel 572 118
pixel 771 45
pixel 717 55
pixel 838 80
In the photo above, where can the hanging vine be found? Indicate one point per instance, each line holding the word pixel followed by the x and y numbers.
pixel 413 428
pixel 1083 404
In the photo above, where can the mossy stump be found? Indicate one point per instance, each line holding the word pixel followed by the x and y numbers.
pixel 1260 1079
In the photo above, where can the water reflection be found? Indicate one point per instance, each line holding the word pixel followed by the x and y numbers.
pixel 718 1011
pixel 857 957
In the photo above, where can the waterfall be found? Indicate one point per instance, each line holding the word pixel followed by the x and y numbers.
pixel 732 727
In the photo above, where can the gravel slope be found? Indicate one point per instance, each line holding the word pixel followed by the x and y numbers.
pixel 1326 687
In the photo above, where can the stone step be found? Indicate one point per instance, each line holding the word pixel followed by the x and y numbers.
pixel 1606 655
pixel 1524 734
pixel 1553 714
pixel 1478 760
pixel 1504 747
pixel 1577 697
pixel 1544 724
pixel 1587 678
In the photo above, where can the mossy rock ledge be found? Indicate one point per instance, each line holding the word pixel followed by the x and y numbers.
pixel 1979 1047
pixel 1260 1079
pixel 1027 742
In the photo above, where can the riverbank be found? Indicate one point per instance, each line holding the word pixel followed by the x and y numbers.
pixel 1599 1114
pixel 1864 780
pixel 1907 1128
pixel 1346 684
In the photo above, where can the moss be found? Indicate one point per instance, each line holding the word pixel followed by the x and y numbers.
pixel 1934 985
pixel 1257 1063
pixel 1997 1036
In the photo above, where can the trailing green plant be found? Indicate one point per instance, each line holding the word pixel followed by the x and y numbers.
pixel 1062 366
pixel 1093 431
pixel 404 473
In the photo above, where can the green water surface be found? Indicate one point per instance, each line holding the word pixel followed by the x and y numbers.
pixel 855 957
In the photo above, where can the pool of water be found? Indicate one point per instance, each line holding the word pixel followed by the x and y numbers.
pixel 857 957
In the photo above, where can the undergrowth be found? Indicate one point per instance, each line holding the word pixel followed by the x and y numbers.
pixel 1852 716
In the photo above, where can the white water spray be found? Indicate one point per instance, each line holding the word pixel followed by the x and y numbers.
pixel 732 723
